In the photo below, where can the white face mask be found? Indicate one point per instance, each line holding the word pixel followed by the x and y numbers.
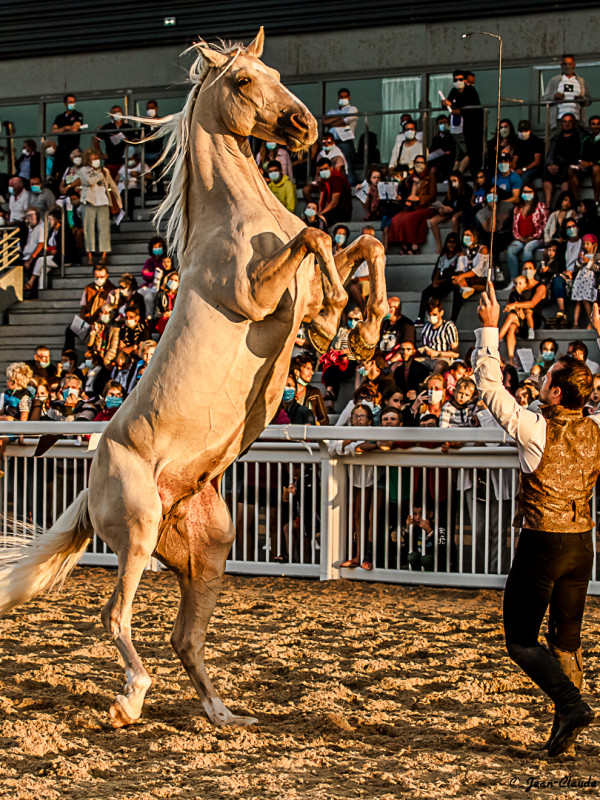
pixel 131 323
pixel 459 84
pixel 77 161
pixel 50 151
pixel 25 152
pixel 524 135
pixel 419 167
pixel 95 163
pixel 344 101
pixel 409 134
pixel 100 281
pixel 435 395
pixel 150 112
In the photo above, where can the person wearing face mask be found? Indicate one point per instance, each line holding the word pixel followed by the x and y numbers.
pixel 441 278
pixel 371 193
pixel 548 354
pixel 523 310
pixel 585 285
pixel 471 271
pixel 18 203
pixel 442 150
pixel 342 123
pixel 271 151
pixel 41 364
pixel 336 364
pixel 66 126
pixel 281 186
pixel 129 179
pixel 431 400
pixel 297 413
pixel 72 403
pixel 312 217
pixel 506 142
pixel 330 150
pixel 56 237
pixel 409 227
pixel 454 207
pixel 41 197
pixel 341 234
pixel 335 195
pixel 133 332
pixel 99 292
pixel 104 335
pixel 113 136
pixel 564 151
pixel 310 396
pixel 114 395
pixel 29 163
pixel 35 237
pixel 95 375
pixel 566 93
pixel 564 210
pixel 71 176
pixel 406 149
pixel 98 193
pixel 165 300
pixel 153 148
pixel 589 163
pixel 529 221
pixel 528 153
pixel 466 122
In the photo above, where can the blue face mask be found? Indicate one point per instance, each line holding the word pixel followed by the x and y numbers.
pixel 288 394
pixel 503 167
pixel 114 402
pixel 352 323
pixel 157 251
pixel 547 355
pixel 442 127
pixel 340 238
pixel 36 189
pixel 271 145
pixel 572 233
pixel 527 196
pixel 71 106
pixel 362 370
pixel 490 197
pixel 11 190
pixel 275 176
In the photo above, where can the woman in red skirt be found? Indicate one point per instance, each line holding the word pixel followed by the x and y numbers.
pixel 409 227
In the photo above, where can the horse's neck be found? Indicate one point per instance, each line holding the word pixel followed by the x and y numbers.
pixel 224 174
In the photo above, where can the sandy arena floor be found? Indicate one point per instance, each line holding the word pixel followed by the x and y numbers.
pixel 361 691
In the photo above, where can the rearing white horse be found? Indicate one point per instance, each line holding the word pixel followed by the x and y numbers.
pixel 251 273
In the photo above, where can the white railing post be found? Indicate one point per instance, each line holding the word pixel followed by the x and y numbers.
pixel 334 504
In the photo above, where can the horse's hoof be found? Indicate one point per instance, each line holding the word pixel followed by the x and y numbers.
pixel 119 718
pixel 241 721
pixel 319 340
pixel 359 349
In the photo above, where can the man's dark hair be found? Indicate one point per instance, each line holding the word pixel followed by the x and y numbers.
pixel 442 117
pixel 66 97
pixel 579 345
pixel 469 74
pixel 343 89
pixel 323 161
pixel 458 72
pixel 42 347
pixel 594 116
pixel 553 342
pixel 154 103
pixel 33 144
pixel 567 55
pixel 70 354
pixel 301 360
pixel 435 303
pixel 429 418
pixel 568 114
pixel 574 380
pixel 275 165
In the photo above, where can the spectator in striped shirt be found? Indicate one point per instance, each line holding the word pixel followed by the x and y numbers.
pixel 439 339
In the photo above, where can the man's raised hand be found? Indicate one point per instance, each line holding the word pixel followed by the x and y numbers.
pixel 489 310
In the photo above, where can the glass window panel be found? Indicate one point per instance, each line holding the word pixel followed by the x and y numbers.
pixel 25 119
pixel 404 95
pixel 310 94
pixel 589 71
pixel 366 96
pixel 95 114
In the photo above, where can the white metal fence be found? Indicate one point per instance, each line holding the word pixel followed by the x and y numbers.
pixel 414 513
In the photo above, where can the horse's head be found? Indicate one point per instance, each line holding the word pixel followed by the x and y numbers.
pixel 249 98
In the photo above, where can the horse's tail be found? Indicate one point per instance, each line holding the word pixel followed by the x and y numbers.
pixel 29 565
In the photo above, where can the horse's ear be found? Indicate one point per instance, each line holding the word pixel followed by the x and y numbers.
pixel 256 47
pixel 212 57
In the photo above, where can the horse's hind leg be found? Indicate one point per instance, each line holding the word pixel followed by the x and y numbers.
pixel 131 530
pixel 196 548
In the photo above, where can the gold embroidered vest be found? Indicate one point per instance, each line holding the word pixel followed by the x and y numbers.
pixel 556 496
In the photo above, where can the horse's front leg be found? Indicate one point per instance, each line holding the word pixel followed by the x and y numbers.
pixel 363 339
pixel 269 278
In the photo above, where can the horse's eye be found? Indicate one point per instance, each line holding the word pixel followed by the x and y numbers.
pixel 244 81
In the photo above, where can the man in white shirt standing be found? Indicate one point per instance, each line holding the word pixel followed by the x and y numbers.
pixel 559 454
pixel 567 93
pixel 343 129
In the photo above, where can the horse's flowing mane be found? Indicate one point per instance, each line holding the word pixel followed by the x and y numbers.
pixel 174 157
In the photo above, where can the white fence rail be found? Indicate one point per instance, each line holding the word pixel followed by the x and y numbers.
pixel 415 514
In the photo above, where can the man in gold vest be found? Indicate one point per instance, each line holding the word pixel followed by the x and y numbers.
pixel 559 454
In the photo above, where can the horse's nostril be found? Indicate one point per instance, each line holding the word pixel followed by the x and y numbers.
pixel 298 122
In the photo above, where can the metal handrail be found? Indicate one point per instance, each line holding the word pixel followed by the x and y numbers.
pixel 9 246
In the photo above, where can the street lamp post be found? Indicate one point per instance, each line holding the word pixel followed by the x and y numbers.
pixel 495 203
